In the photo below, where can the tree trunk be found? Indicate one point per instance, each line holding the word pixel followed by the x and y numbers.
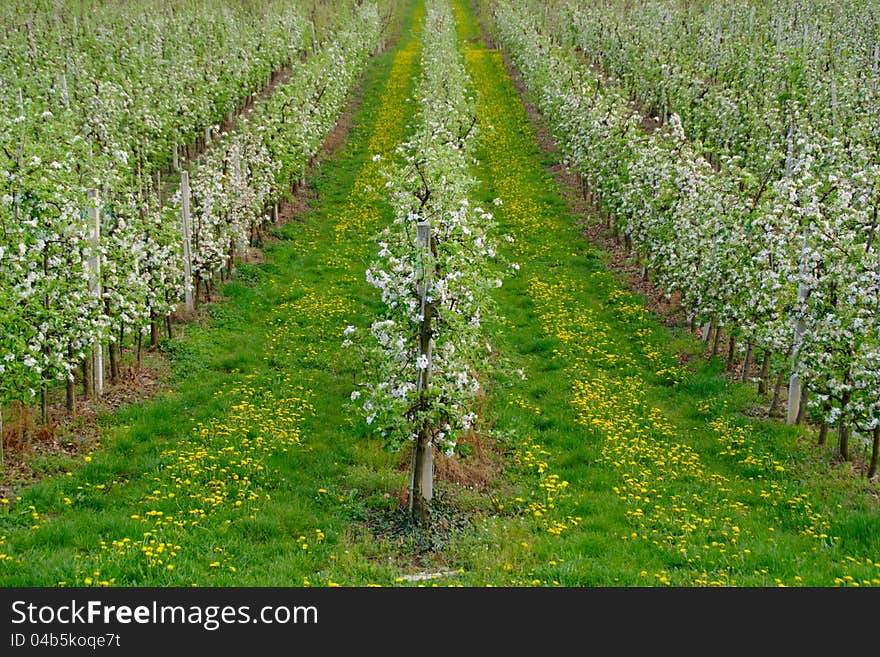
pixel 114 363
pixel 747 361
pixel 120 350
pixel 70 401
pixel 731 352
pixel 875 448
pixel 802 407
pixel 765 373
pixel 87 377
pixel 875 453
pixel 823 434
pixel 44 404
pixel 154 330
pixel 717 339
pixel 843 440
pixel 777 391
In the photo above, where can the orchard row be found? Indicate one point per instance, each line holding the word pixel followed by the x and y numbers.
pixel 95 248
pixel 750 194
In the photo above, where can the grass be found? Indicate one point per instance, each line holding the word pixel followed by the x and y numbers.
pixel 601 461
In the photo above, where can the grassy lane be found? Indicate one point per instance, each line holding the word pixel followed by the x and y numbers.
pixel 648 472
pixel 230 478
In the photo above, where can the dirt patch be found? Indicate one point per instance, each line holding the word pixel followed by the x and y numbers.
pixel 32 450
pixel 478 465
pixel 418 546
pixel 253 256
pixel 665 307
pixel 292 208
pixel 338 137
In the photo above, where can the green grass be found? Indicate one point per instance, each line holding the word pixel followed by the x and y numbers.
pixel 250 471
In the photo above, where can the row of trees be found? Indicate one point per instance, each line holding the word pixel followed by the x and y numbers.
pixel 91 250
pixel 773 238
pixel 435 269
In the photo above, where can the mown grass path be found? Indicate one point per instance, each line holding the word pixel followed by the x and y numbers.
pixel 615 465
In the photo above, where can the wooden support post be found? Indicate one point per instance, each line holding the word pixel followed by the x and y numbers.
pixel 422 463
pixel 65 95
pixel 794 382
pixel 95 289
pixel 187 241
